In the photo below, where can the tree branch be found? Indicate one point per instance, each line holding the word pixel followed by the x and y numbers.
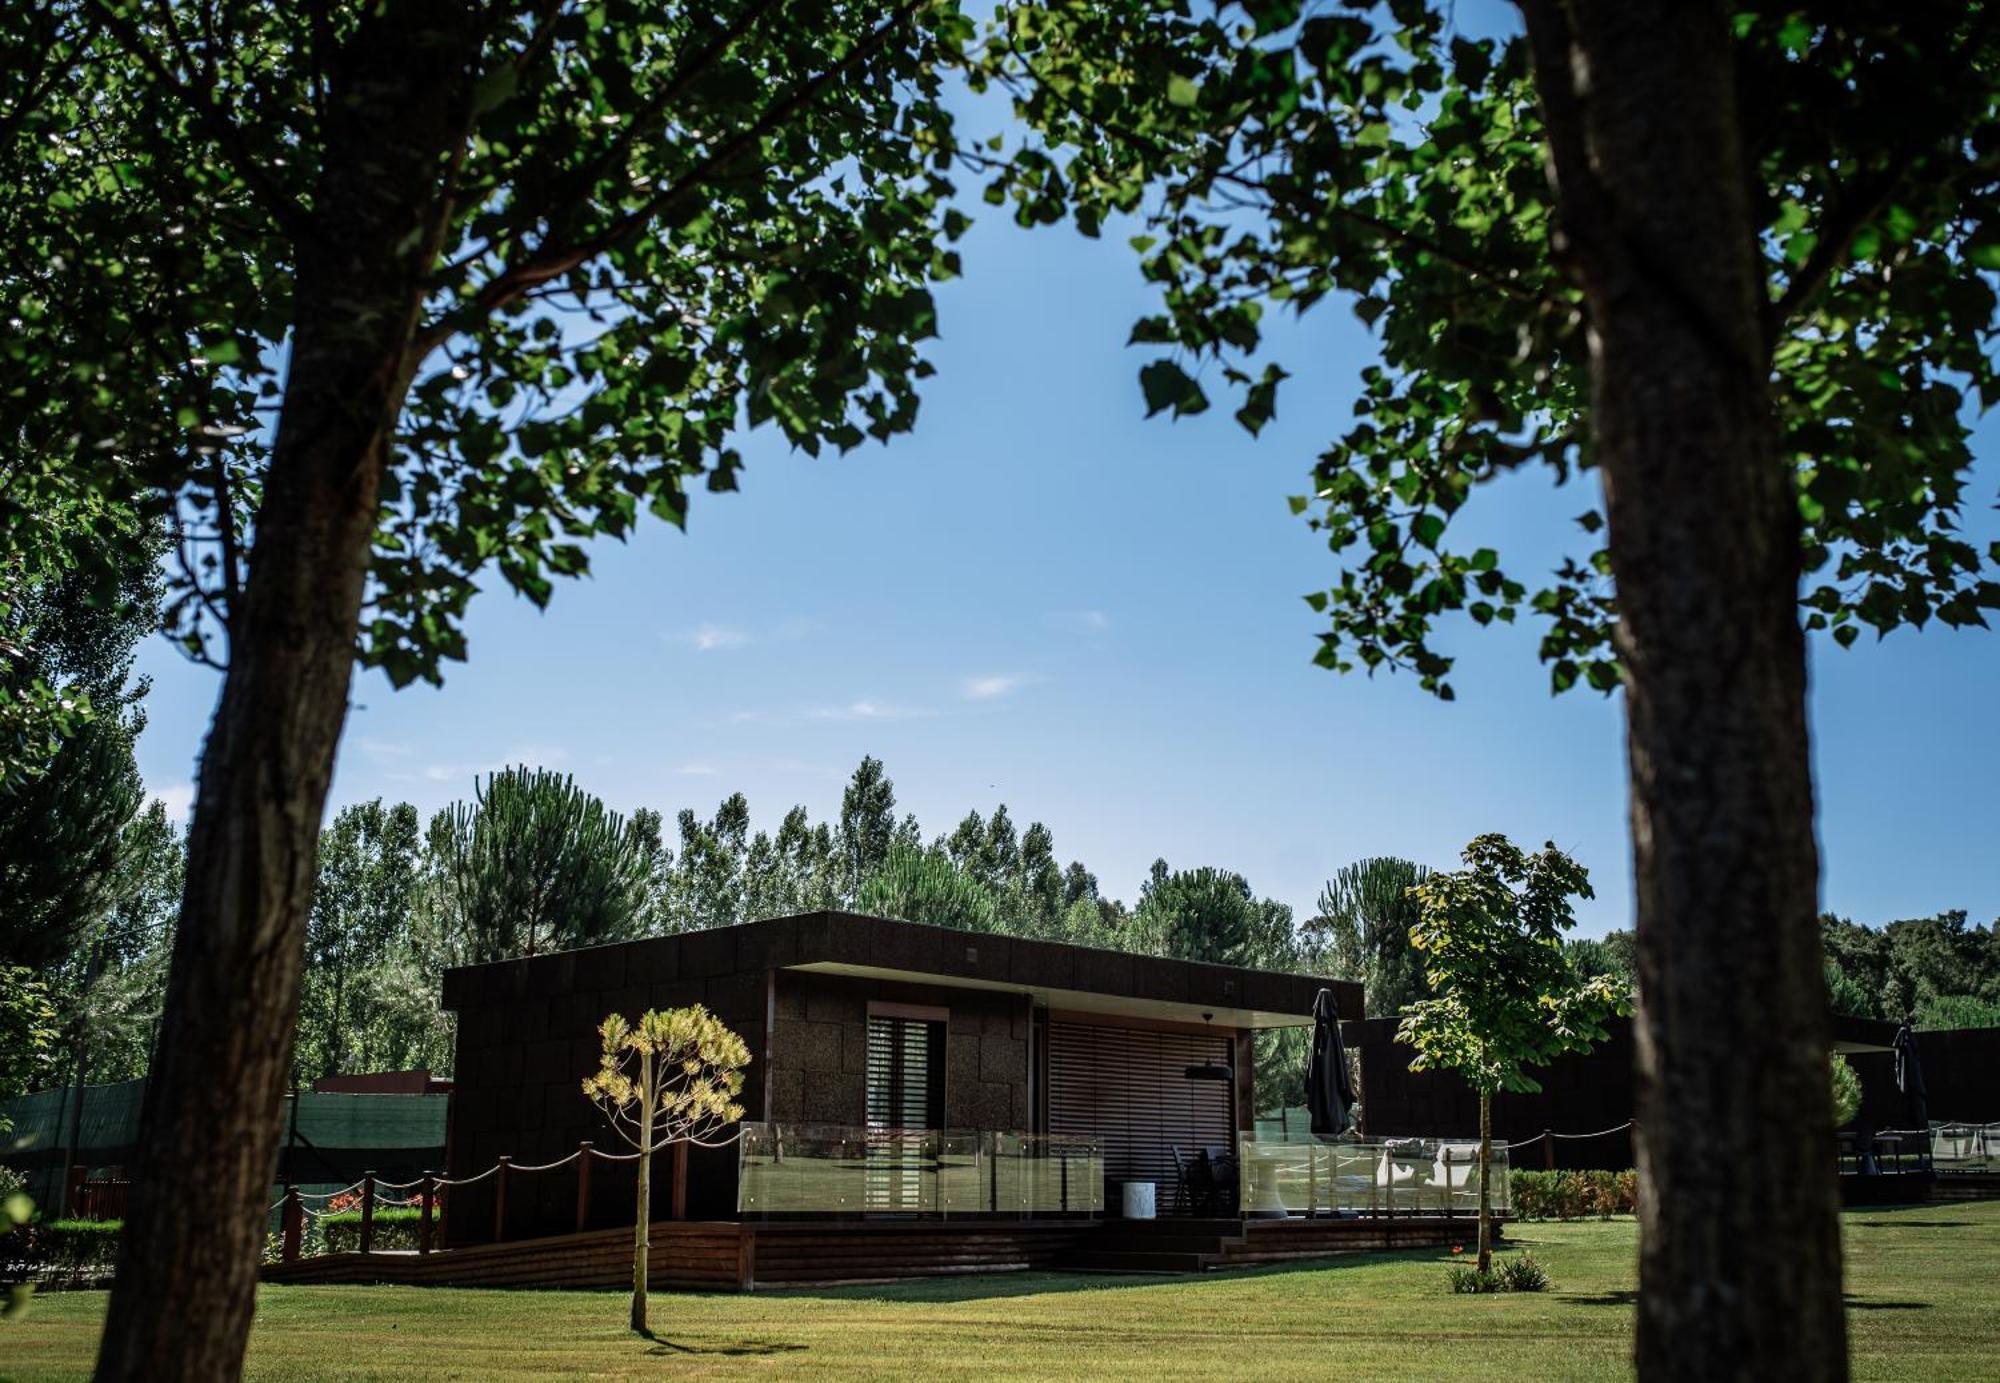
pixel 549 262
pixel 219 127
pixel 1867 198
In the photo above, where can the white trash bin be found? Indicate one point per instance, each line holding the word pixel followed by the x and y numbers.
pixel 1139 1200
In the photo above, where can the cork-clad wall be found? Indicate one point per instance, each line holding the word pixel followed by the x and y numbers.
pixel 819 1050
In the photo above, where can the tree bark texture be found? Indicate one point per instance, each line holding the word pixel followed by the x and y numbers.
pixel 642 1234
pixel 187 1270
pixel 1740 1255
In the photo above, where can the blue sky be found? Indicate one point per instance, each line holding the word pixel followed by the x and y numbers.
pixel 1042 599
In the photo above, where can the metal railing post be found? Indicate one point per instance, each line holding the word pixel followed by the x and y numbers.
pixel 294 1224
pixel 367 1211
pixel 582 1185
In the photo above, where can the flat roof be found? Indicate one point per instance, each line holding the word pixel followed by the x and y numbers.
pixel 1078 978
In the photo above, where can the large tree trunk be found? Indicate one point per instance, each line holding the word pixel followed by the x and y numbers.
pixel 187 1270
pixel 1740 1251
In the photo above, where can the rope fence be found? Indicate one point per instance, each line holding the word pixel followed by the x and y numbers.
pixel 301 1208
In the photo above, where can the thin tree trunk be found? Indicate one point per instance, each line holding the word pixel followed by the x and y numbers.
pixel 1740 1252
pixel 187 1269
pixel 643 1212
pixel 1485 1170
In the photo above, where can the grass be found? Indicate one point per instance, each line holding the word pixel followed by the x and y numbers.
pixel 1921 1288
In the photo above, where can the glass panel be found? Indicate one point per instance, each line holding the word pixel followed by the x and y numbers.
pixel 1401 1176
pixel 819 1169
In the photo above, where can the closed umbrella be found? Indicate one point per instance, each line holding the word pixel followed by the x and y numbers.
pixel 1910 1080
pixel 1329 1091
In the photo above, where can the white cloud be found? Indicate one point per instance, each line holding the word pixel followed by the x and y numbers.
pixel 989 688
pixel 1081 621
pixel 867 710
pixel 696 770
pixel 519 756
pixel 178 798
pixel 707 638
pixel 383 749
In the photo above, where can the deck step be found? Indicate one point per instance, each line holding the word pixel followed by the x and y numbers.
pixel 1111 1242
pixel 1131 1261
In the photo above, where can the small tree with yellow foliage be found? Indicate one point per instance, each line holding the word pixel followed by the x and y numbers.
pixel 672 1077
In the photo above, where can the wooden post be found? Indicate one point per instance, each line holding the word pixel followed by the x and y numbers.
pixel 583 1156
pixel 1449 1205
pixel 680 1179
pixel 73 1191
pixel 500 1199
pixel 1312 1180
pixel 1548 1150
pixel 367 1211
pixel 428 1193
pixel 294 1223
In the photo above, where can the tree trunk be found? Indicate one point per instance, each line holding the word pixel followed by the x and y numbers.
pixel 187 1269
pixel 1485 1170
pixel 642 1233
pixel 643 1212
pixel 1740 1251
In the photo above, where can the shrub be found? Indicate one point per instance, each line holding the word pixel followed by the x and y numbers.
pixel 1467 1280
pixel 395 1228
pixel 1573 1195
pixel 68 1251
pixel 1519 1274
pixel 1522 1274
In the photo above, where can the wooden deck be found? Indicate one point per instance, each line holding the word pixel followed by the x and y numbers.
pixel 727 1256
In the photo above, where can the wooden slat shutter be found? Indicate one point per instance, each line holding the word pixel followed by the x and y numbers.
pixel 1129 1088
pixel 905 1073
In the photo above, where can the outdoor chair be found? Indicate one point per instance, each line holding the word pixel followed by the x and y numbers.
pixel 1222 1179
pixel 1184 1188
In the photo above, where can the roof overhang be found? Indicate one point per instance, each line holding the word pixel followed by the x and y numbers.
pixel 1072 1000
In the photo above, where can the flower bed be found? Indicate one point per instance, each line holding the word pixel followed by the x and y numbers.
pixel 1573 1195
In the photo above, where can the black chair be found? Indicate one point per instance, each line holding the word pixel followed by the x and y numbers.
pixel 1222 1179
pixel 1184 1189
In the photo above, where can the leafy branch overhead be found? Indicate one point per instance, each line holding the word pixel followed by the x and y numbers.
pixel 659 223
pixel 1390 161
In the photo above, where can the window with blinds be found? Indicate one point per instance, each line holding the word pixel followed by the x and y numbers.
pixel 905 1097
pixel 905 1073
pixel 1129 1088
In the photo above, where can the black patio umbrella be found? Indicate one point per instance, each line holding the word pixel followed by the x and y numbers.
pixel 1329 1091
pixel 1910 1077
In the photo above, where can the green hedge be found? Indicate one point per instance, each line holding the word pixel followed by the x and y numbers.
pixel 395 1228
pixel 66 1250
pixel 1573 1195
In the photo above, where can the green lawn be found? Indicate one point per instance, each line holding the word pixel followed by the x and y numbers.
pixel 1924 1284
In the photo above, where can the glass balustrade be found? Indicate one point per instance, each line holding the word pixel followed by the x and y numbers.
pixel 822 1169
pixel 1390 1176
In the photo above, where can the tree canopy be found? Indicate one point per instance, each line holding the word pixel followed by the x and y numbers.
pixel 655 222
pixel 1391 162
pixel 536 864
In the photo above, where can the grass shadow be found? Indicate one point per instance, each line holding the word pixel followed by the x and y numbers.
pixel 735 1349
pixel 1628 1296
pixel 998 1285
pixel 1854 1303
